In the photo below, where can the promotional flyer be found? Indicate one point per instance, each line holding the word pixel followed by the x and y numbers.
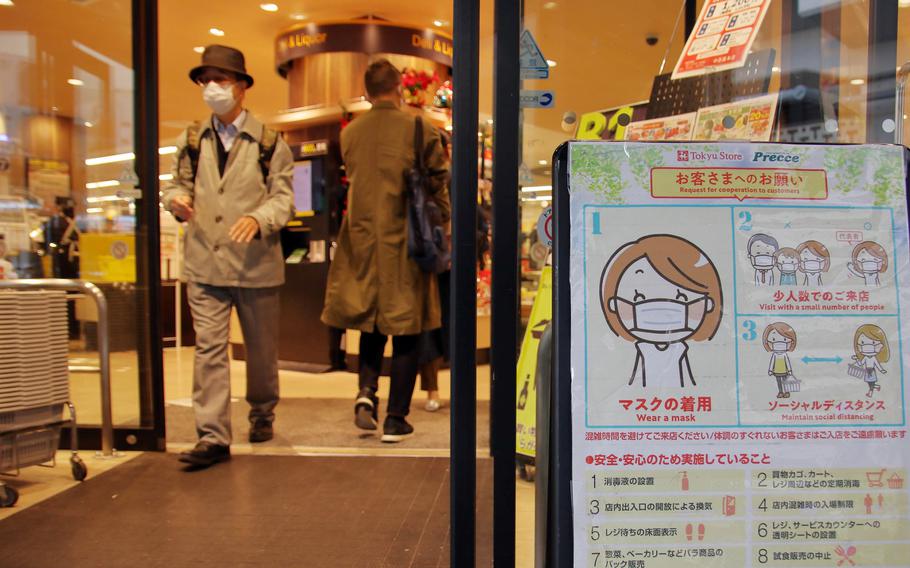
pixel 722 37
pixel 737 355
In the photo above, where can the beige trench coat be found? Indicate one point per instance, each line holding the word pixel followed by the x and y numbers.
pixel 373 285
pixel 210 255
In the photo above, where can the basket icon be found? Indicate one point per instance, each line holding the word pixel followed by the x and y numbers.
pixel 895 482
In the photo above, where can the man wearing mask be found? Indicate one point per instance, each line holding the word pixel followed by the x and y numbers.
pixel 373 285
pixel 232 186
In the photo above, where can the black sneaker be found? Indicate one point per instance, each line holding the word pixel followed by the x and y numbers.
pixel 261 431
pixel 206 454
pixel 366 411
pixel 395 429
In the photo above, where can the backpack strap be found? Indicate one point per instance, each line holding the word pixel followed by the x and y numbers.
pixel 191 150
pixel 418 144
pixel 267 145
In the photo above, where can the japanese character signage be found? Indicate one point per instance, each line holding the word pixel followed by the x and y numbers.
pixel 737 355
pixel 722 37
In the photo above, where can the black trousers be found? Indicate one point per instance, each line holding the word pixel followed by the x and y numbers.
pixel 404 368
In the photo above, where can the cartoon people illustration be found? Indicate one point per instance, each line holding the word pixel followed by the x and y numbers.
pixel 814 259
pixel 761 249
pixel 869 260
pixel 870 348
pixel 787 262
pixel 779 339
pixel 659 292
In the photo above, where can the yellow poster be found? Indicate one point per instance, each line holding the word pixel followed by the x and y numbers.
pixel 107 257
pixel 526 405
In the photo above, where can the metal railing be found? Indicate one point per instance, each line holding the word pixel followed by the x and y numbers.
pixel 104 352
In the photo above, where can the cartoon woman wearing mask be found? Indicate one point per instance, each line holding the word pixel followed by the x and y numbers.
pixel 869 260
pixel 659 292
pixel 779 339
pixel 787 262
pixel 814 259
pixel 761 249
pixel 870 348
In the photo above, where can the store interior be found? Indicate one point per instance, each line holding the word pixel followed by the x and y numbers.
pixel 68 190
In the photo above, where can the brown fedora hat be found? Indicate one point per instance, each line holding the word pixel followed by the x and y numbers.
pixel 224 58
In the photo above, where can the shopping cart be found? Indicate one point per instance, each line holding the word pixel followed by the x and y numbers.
pixel 874 478
pixel 34 384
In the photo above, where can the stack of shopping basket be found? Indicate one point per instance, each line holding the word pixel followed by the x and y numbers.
pixel 34 381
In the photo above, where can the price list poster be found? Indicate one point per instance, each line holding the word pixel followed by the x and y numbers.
pixel 738 355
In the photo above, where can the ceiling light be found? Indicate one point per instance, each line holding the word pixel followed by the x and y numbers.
pixel 165 150
pixel 216 32
pixel 901 3
pixel 440 23
pixel 103 198
pixel 95 210
pixel 100 184
pixel 536 188
pixel 75 82
pixel 550 5
pixel 6 3
pixel 165 177
pixel 551 63
pixel 775 69
pixel 542 162
pixel 298 16
pixel 55 109
pixel 88 124
pixel 199 49
pixel 269 7
pixel 110 159
pixel 857 82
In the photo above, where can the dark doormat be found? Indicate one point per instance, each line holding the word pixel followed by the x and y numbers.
pixel 263 511
pixel 329 422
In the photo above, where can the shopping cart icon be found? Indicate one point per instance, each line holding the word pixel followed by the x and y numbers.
pixel 874 478
pixel 895 482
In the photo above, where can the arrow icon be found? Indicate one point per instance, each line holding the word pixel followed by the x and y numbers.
pixel 808 360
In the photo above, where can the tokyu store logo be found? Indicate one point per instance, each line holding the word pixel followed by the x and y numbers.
pixel 699 156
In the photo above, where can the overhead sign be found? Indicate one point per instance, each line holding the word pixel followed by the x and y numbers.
pixel 737 363
pixel 360 37
pixel 533 63
pixel 537 99
pixel 722 37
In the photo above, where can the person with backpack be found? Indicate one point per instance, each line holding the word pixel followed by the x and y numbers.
pixel 232 186
pixel 382 281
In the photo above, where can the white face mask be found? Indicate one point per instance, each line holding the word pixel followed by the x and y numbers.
pixel 812 265
pixel 871 266
pixel 219 99
pixel 867 349
pixel 762 260
pixel 779 346
pixel 661 316
pixel 788 267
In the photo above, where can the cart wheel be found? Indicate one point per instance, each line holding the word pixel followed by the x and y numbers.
pixel 8 496
pixel 79 469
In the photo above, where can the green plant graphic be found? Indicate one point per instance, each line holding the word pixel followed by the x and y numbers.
pixel 598 168
pixel 845 167
pixel 642 160
pixel 888 179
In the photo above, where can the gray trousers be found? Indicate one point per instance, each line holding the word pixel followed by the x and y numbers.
pixel 258 311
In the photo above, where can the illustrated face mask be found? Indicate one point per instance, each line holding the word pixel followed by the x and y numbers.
pixel 779 346
pixel 868 349
pixel 661 316
pixel 762 261
pixel 812 265
pixel 219 99
pixel 871 266
pixel 788 266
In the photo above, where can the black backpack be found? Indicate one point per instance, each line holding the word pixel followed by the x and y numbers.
pixel 427 244
pixel 267 145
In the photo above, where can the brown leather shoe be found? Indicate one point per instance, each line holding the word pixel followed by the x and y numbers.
pixel 261 431
pixel 206 454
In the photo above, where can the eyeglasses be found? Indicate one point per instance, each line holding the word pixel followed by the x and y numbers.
pixel 221 80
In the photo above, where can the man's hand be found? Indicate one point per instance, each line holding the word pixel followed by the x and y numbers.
pixel 244 230
pixel 182 207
